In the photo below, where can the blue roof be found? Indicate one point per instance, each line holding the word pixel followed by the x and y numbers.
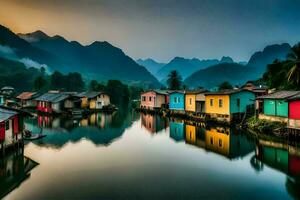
pixel 53 97
pixel 6 114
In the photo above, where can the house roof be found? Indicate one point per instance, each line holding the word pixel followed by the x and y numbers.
pixel 89 95
pixel 279 95
pixel 177 91
pixel 164 92
pixel 7 88
pixel 226 92
pixel 26 95
pixel 52 97
pixel 196 91
pixel 295 97
pixel 6 114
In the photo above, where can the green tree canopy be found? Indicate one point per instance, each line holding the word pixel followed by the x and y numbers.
pixel 225 86
pixel 174 80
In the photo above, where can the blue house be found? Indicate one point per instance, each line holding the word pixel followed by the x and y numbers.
pixel 177 101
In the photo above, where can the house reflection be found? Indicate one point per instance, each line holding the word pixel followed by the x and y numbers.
pixel 177 130
pixel 100 120
pixel 220 140
pixel 14 169
pixel 153 123
pixel 282 157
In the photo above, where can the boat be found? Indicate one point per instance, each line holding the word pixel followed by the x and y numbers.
pixel 29 136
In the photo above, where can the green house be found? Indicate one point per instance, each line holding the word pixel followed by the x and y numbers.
pixel 274 105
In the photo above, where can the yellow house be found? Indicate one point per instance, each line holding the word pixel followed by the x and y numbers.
pixel 195 101
pixel 228 104
pixel 190 134
pixel 94 100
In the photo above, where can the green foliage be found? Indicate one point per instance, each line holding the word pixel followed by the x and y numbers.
pixel 40 83
pixel 174 80
pixel 94 86
pixel 70 82
pixel 285 75
pixel 265 126
pixel 225 86
pixel 118 92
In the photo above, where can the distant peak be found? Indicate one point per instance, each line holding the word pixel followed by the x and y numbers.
pixel 227 59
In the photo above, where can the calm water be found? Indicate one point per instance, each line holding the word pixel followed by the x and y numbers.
pixel 131 155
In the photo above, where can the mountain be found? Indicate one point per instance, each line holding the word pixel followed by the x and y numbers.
pixel 17 75
pixel 259 60
pixel 238 73
pixel 99 60
pixel 151 65
pixel 213 76
pixel 184 66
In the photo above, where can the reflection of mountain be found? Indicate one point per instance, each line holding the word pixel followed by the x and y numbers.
pixel 153 123
pixel 220 140
pixel 14 169
pixel 100 129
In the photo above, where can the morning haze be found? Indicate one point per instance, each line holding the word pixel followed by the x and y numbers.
pixel 204 29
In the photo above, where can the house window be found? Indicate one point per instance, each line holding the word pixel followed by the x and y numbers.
pixel 220 103
pixel 220 143
pixel 175 99
pixel 190 101
pixel 7 125
pixel 144 98
pixel 178 99
pixel 211 141
pixel 238 102
pixel 211 102
pixel 150 98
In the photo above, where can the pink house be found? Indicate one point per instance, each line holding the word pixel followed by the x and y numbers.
pixel 154 99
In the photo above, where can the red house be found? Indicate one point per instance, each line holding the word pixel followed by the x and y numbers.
pixel 294 112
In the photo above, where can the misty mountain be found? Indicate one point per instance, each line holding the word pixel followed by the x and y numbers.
pixel 184 66
pixel 259 60
pixel 99 60
pixel 213 76
pixel 151 65
pixel 17 75
pixel 237 73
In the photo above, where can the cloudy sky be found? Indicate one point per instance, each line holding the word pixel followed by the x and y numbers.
pixel 162 29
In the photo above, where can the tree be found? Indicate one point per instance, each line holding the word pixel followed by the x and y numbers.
pixel 57 81
pixel 174 80
pixel 225 86
pixel 293 63
pixel 40 83
pixel 74 82
pixel 118 92
pixel 94 86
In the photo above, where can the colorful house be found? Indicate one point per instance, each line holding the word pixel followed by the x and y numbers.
pixel 195 101
pixel 11 127
pixel 27 99
pixel 94 100
pixel 228 104
pixel 7 91
pixel 52 102
pixel 294 112
pixel 154 99
pixel 275 105
pixel 177 101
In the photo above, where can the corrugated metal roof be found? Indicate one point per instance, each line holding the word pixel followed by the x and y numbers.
pixel 279 95
pixel 89 95
pixel 6 114
pixel 295 97
pixel 164 92
pixel 196 91
pixel 52 97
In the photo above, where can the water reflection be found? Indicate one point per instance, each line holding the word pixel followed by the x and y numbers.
pixel 14 169
pixel 99 128
pixel 224 141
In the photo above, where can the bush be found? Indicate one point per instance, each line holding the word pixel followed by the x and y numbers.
pixel 265 126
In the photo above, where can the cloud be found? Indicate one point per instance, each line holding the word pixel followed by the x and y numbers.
pixel 9 53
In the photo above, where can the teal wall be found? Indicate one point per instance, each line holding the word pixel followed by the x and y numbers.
pixel 276 107
pixel 177 131
pixel 177 105
pixel 246 98
pixel 1 100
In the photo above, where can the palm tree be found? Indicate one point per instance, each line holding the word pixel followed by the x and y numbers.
pixel 293 63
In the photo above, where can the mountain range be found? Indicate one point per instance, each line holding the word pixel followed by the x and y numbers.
pixel 99 60
pixel 151 65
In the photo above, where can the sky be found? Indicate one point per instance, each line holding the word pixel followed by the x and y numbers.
pixel 162 29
